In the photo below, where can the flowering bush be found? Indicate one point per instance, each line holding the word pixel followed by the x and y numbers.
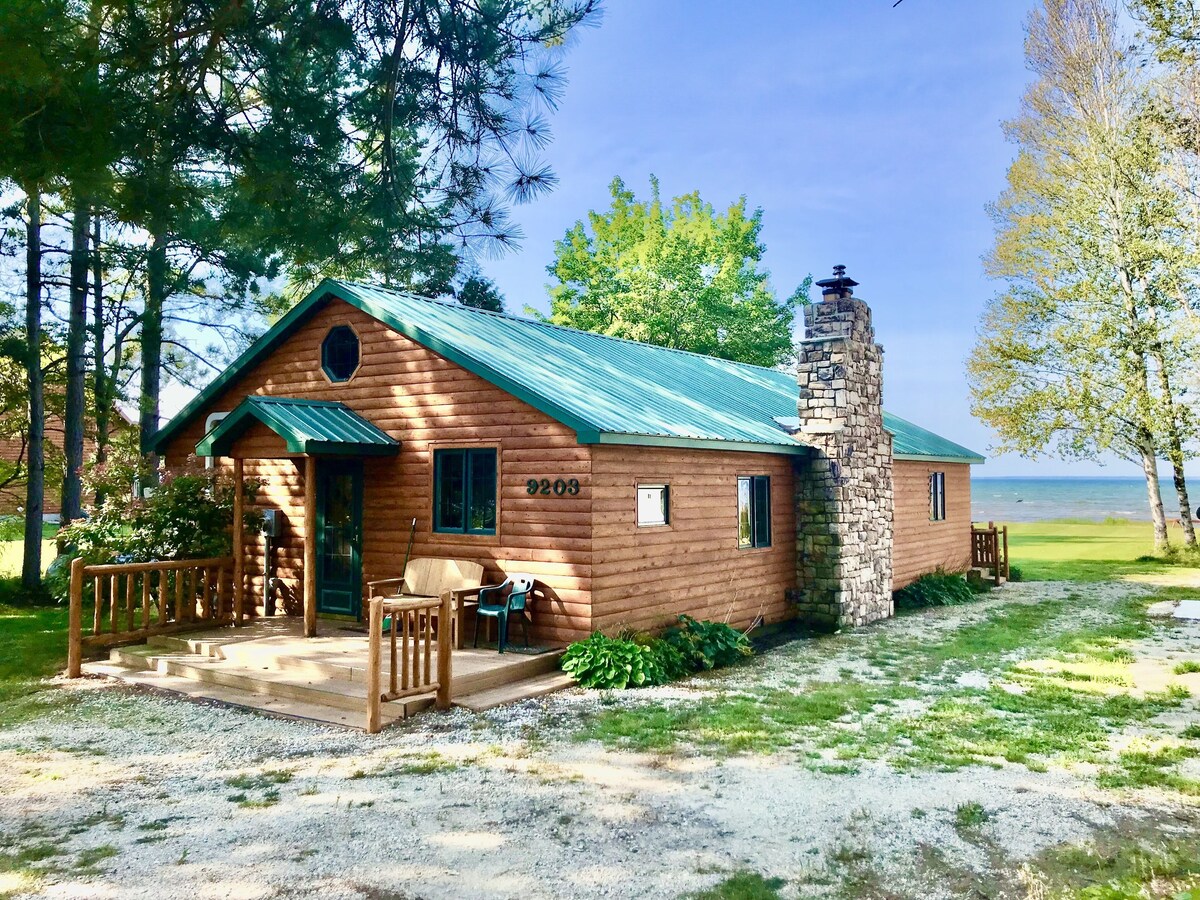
pixel 187 515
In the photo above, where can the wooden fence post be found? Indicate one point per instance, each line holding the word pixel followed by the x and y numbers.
pixel 75 620
pixel 444 649
pixel 374 661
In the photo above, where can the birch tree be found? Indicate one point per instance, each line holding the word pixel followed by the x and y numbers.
pixel 1083 351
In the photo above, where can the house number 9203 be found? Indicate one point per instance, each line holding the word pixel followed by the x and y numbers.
pixel 558 487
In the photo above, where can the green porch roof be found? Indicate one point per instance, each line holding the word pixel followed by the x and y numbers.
pixel 608 390
pixel 311 427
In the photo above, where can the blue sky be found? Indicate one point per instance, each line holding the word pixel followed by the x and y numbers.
pixel 869 135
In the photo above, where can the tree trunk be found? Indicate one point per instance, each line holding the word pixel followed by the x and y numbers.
pixel 73 426
pixel 102 398
pixel 151 339
pixel 1154 491
pixel 31 569
pixel 1175 452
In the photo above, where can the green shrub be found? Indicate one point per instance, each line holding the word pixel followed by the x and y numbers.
pixel 673 663
pixel 14 593
pixel 188 515
pixel 1015 573
pixel 934 589
pixel 604 662
pixel 707 645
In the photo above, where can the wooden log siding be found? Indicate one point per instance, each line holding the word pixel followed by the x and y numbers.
pixel 424 401
pixel 921 545
pixel 644 577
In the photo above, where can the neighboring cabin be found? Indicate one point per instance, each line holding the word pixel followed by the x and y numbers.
pixel 13 454
pixel 635 482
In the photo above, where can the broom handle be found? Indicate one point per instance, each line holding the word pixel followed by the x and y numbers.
pixel 408 550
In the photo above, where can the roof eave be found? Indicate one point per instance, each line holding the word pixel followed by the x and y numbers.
pixel 920 457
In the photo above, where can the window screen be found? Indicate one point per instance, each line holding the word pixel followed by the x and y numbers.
pixel 937 496
pixel 754 511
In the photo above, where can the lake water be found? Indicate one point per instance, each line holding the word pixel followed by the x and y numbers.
pixel 1038 499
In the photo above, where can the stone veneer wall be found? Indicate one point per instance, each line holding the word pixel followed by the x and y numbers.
pixel 844 489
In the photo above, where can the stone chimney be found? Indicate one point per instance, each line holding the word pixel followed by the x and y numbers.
pixel 844 488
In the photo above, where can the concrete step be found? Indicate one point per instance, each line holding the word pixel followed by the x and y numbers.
pixel 282 707
pixel 513 692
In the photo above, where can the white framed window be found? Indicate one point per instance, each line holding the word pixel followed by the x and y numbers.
pixel 653 505
pixel 937 496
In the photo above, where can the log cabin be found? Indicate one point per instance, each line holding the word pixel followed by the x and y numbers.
pixel 634 482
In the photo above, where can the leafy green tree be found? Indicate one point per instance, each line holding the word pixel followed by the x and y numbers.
pixel 680 275
pixel 1083 352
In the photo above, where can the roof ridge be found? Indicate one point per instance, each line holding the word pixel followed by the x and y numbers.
pixel 526 320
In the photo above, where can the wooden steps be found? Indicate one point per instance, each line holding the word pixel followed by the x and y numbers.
pixel 537 686
pixel 282 707
pixel 273 670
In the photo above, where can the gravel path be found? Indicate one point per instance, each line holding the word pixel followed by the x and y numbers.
pixel 144 796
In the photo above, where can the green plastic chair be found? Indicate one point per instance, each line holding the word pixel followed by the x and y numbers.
pixel 495 604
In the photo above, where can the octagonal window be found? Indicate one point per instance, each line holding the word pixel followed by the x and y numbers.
pixel 339 353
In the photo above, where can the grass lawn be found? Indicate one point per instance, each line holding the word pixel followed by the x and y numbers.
pixel 1070 550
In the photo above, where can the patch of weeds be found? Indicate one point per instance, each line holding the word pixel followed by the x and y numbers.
pixel 115 821
pixel 1129 862
pixel 425 764
pixel 1146 766
pixel 732 723
pixel 1191 732
pixel 91 857
pixel 744 885
pixel 267 798
pixel 261 781
pixel 917 813
pixel 1187 667
pixel 157 824
pixel 970 815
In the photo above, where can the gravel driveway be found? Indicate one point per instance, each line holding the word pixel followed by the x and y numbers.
pixel 127 794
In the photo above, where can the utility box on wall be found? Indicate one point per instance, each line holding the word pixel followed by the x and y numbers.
pixel 272 522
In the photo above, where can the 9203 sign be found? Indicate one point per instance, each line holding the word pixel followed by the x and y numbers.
pixel 558 487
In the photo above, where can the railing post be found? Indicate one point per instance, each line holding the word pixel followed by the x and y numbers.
pixel 239 577
pixel 75 620
pixel 444 649
pixel 374 661
pixel 1005 532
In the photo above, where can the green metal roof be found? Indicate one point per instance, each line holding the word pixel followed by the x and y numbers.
pixel 312 427
pixel 911 441
pixel 609 390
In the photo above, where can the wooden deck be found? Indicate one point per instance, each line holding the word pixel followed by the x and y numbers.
pixel 270 666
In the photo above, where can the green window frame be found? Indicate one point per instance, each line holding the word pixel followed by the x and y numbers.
pixel 464 491
pixel 937 496
pixel 754 511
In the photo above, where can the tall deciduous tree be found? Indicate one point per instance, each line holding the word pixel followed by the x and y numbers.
pixel 1084 351
pixel 678 275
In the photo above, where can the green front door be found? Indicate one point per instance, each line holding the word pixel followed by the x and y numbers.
pixel 339 537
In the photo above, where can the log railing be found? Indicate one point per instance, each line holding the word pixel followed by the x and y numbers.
pixel 131 601
pixel 989 549
pixel 411 652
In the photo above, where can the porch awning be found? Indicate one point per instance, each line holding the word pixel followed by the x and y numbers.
pixel 311 427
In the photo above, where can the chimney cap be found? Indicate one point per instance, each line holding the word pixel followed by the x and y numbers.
pixel 840 283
